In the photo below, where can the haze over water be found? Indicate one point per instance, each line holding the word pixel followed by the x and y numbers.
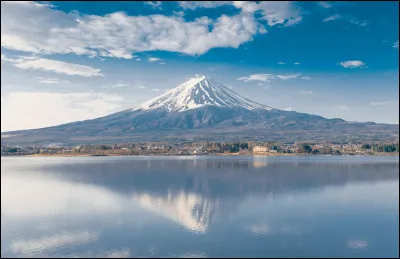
pixel 200 207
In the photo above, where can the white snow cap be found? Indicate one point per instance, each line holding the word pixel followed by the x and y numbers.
pixel 198 92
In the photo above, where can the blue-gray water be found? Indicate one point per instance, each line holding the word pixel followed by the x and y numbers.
pixel 200 207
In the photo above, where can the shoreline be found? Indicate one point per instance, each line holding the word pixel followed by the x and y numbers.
pixel 218 154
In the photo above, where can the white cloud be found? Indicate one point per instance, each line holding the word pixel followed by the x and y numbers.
pixel 43 80
pixel 307 92
pixel 352 64
pixel 269 77
pixel 154 59
pixel 162 63
pixel 179 13
pixel 155 90
pixel 59 67
pixel 119 35
pixel 286 77
pixel 288 109
pixel 281 63
pixel 154 4
pixel 43 109
pixel 325 4
pixel 306 77
pixel 296 63
pixel 260 229
pixel 341 107
pixel 332 18
pixel 293 21
pixel 202 4
pixel 274 12
pixel 359 23
pixel 384 103
pixel 257 77
pixel 357 244
pixel 396 44
pixel 116 85
pixel 4 58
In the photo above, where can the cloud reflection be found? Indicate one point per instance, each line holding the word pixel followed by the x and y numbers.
pixel 42 245
pixel 39 195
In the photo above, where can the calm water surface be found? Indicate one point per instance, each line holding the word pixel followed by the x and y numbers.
pixel 200 207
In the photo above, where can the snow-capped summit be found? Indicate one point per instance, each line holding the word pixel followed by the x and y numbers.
pixel 198 92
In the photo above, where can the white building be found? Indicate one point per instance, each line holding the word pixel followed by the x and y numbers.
pixel 259 149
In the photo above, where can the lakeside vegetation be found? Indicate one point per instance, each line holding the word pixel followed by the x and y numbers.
pixel 206 148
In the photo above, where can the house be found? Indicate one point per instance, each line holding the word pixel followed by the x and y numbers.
pixel 259 149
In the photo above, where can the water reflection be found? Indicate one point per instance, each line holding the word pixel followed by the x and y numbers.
pixel 189 210
pixel 80 207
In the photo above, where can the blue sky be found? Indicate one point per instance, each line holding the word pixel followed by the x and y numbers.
pixel 68 61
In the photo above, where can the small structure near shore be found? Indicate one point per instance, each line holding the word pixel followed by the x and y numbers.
pixel 260 149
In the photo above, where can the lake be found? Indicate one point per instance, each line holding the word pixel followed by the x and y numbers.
pixel 319 206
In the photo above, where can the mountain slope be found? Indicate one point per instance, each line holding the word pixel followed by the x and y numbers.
pixel 203 109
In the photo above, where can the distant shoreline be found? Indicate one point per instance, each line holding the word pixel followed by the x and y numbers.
pixel 231 154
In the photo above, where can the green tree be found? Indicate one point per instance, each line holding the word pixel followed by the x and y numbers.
pixel 304 148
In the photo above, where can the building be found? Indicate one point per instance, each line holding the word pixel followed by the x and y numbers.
pixel 259 149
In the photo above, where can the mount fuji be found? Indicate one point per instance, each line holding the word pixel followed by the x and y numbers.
pixel 203 109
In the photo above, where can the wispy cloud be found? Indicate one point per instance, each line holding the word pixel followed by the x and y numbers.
pixel 154 59
pixel 202 4
pixel 353 64
pixel 306 92
pixel 281 63
pixel 154 4
pixel 269 77
pixel 341 107
pixel 274 13
pixel 54 108
pixel 296 63
pixel 396 44
pixel 286 77
pixel 306 77
pixel 332 18
pixel 358 22
pixel 43 80
pixel 288 109
pixel 384 103
pixel 293 21
pixel 257 77
pixel 325 4
pixel 56 66
pixel 116 85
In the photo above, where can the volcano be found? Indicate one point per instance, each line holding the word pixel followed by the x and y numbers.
pixel 202 109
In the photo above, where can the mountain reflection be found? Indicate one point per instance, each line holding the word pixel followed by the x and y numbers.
pixel 193 191
pixel 189 210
